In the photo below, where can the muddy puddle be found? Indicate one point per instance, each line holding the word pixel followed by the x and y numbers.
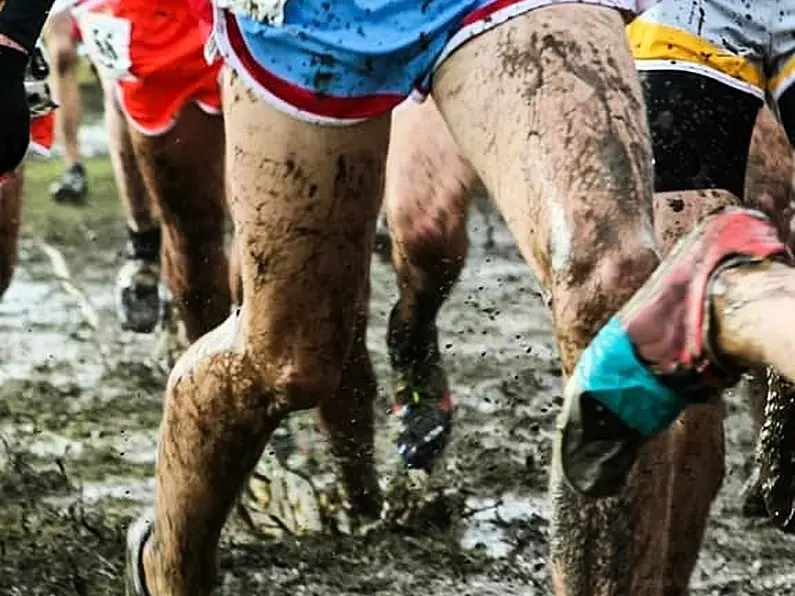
pixel 79 409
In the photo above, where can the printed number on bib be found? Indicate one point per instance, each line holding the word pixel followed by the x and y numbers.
pixel 107 39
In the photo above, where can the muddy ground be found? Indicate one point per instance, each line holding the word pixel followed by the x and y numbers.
pixel 79 410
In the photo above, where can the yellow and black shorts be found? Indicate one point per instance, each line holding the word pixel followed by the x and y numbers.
pixel 707 66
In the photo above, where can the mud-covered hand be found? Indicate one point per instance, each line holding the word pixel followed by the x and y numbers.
pixel 14 109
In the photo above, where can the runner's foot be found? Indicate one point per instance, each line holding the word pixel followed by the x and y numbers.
pixel 654 358
pixel 138 283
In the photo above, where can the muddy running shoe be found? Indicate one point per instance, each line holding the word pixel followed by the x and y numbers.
pixel 653 359
pixel 422 397
pixel 137 535
pixel 138 283
pixel 72 188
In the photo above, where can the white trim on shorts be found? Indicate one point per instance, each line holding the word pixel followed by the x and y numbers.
pixel 223 46
pixel 701 69
pixel 207 108
pixel 500 16
pixel 219 42
pixel 157 132
pixel 38 149
pixel 783 86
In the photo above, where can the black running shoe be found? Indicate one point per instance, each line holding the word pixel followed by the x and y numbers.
pixel 72 188
pixel 421 401
pixel 137 535
pixel 138 300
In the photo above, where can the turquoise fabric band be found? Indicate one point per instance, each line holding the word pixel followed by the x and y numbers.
pixel 611 373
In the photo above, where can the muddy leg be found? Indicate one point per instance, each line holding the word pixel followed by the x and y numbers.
pixel 183 171
pixel 10 204
pixel 62 47
pixel 768 179
pixel 137 296
pixel 578 200
pixel 63 51
pixel 138 209
pixel 347 419
pixel 235 276
pixel 750 314
pixel 383 239
pixel 687 114
pixel 750 305
pixel 304 199
pixel 693 448
pixel 427 195
pixel 768 187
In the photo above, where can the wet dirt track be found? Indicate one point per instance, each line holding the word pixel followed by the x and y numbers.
pixel 79 410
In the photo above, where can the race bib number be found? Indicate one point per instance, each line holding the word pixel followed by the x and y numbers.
pixel 107 40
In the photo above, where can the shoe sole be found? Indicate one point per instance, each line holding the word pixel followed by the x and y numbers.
pixel 137 535
pixel 68 197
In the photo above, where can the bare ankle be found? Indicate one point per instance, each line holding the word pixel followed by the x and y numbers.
pixel 169 574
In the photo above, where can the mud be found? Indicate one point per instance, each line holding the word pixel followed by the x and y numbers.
pixel 79 410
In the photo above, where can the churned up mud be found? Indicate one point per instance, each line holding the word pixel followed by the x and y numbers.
pixel 80 402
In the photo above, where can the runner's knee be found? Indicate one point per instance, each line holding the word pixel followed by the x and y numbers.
pixel 594 284
pixel 237 352
pixel 428 190
pixel 300 359
pixel 64 56
pixel 304 381
pixel 432 236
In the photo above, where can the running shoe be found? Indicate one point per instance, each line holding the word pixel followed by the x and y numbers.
pixel 421 400
pixel 138 293
pixel 138 533
pixel 72 188
pixel 653 359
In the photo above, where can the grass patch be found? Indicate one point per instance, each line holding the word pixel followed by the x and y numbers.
pixel 63 224
pixel 69 225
